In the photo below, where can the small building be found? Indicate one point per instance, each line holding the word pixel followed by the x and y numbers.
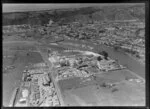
pixel 25 93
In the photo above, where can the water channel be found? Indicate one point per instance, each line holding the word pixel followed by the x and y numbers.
pixel 124 59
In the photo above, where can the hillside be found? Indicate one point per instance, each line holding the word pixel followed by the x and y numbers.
pixel 86 14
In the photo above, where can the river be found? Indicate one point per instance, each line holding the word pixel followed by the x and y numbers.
pixel 123 59
pixel 12 80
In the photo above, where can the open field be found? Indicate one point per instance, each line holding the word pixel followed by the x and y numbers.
pixel 19 60
pixel 75 91
pixel 93 93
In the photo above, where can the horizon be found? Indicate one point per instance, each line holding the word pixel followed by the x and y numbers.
pixel 11 7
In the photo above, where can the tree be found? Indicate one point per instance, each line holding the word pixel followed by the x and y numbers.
pixel 137 55
pixel 105 54
pixel 99 58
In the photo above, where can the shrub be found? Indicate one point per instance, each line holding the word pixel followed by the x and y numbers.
pixel 105 54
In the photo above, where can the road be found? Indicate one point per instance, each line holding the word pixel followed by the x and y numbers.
pixel 45 58
pixel 13 98
pixel 58 91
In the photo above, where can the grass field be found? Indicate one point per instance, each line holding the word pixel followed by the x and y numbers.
pixel 20 59
pixel 123 94
pixel 76 92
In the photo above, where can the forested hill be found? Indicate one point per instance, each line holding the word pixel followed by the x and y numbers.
pixel 84 15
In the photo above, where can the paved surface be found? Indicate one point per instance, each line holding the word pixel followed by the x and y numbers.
pixel 55 84
pixel 13 98
pixel 45 58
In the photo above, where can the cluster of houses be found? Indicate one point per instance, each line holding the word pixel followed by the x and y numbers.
pixel 37 89
pixel 81 65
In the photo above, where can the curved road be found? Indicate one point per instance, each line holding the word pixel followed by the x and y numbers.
pixel 45 58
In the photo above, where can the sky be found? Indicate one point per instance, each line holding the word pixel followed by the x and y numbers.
pixel 35 7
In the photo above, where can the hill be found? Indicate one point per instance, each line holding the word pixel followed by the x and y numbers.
pixel 84 15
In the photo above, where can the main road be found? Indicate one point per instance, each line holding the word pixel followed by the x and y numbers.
pixel 45 58
pixel 121 58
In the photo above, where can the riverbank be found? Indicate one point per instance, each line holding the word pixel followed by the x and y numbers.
pixel 119 55
pixel 141 61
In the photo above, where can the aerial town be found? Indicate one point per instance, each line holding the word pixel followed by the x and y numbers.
pixel 74 63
